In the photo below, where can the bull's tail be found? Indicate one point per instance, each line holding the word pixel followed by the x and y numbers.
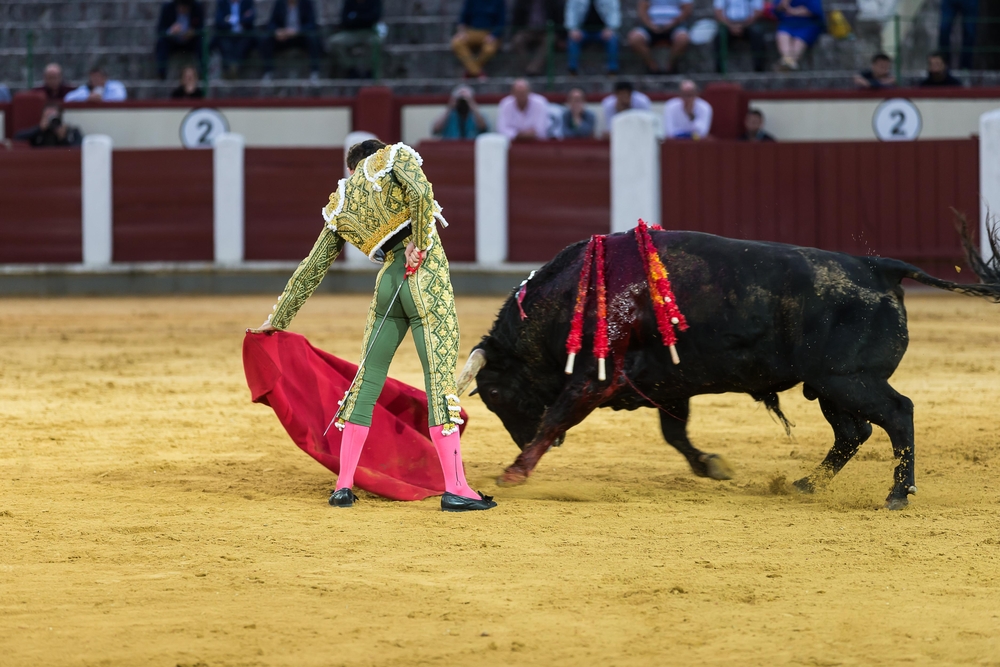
pixel 773 405
pixel 988 272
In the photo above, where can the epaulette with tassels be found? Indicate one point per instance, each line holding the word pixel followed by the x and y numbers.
pixel 668 315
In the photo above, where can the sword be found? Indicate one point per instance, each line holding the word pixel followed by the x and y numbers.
pixel 409 272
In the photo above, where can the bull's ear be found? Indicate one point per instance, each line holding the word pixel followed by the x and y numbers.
pixel 475 390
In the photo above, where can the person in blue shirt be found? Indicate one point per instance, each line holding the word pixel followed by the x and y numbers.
pixel 800 23
pixel 578 122
pixel 234 32
pixel 593 21
pixel 480 27
pixel 292 26
pixel 462 119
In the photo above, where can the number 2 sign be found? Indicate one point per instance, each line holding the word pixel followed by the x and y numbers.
pixel 897 119
pixel 201 126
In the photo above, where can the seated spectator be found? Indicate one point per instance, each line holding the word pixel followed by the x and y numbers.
pixel 662 21
pixel 480 27
pixel 740 19
pixel 462 119
pixel 353 44
pixel 50 130
pixel 687 116
pixel 179 29
pixel 530 23
pixel 292 26
pixel 753 126
pixel 98 89
pixel 593 21
pixel 523 115
pixel 879 76
pixel 623 99
pixel 52 83
pixel 234 28
pixel 189 88
pixel 578 121
pixel 938 73
pixel 969 9
pixel 800 23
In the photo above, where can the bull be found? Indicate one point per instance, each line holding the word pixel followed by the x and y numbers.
pixel 764 317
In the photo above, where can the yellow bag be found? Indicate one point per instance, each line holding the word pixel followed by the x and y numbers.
pixel 837 25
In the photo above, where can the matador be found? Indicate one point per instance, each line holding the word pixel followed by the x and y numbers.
pixel 386 208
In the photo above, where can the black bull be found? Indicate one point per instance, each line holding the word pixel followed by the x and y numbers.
pixel 763 318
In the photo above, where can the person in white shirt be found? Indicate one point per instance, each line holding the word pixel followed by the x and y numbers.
pixel 99 88
pixel 623 99
pixel 687 116
pixel 523 115
pixel 661 21
pixel 740 19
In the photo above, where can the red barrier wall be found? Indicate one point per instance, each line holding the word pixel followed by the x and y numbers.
pixel 865 198
pixel 162 205
pixel 451 168
pixel 40 209
pixel 559 193
pixel 286 190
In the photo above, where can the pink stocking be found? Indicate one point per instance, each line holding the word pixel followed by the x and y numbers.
pixel 449 451
pixel 352 440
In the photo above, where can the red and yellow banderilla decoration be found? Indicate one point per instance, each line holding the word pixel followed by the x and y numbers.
pixel 668 315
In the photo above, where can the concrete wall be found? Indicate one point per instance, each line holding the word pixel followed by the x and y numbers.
pixel 305 127
pixel 851 120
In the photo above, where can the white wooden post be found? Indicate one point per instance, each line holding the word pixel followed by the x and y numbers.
pixel 491 198
pixel 989 177
pixel 352 255
pixel 96 199
pixel 635 170
pixel 227 160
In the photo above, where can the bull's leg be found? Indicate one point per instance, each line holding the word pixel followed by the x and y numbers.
pixel 673 423
pixel 849 433
pixel 873 400
pixel 572 406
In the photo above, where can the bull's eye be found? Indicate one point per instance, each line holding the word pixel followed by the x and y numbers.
pixel 494 393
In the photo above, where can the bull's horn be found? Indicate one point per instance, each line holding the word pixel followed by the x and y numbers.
pixel 472 367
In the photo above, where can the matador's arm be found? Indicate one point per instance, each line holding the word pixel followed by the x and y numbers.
pixel 420 196
pixel 306 278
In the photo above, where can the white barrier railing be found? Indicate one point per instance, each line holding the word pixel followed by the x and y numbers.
pixel 96 202
pixel 989 177
pixel 228 196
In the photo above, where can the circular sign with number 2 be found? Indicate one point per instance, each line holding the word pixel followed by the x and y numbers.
pixel 897 119
pixel 201 126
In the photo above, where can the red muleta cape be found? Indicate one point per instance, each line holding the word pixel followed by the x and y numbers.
pixel 303 384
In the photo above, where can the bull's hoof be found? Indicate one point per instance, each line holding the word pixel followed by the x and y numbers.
pixel 717 467
pixel 805 485
pixel 896 503
pixel 512 477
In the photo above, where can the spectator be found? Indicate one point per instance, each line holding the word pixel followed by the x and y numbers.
pixel 50 130
pixel 462 119
pixel 523 115
pixel 662 21
pixel 740 19
pixel 98 89
pixel 52 83
pixel 687 116
pixel 578 121
pixel 353 44
pixel 234 28
pixel 593 21
pixel 879 76
pixel 179 29
pixel 800 23
pixel 938 73
pixel 623 99
pixel 530 23
pixel 292 26
pixel 480 27
pixel 189 88
pixel 969 9
pixel 753 126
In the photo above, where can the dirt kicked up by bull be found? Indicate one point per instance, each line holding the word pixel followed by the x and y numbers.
pixel 763 318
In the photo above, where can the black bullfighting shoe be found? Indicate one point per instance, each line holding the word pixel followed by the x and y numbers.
pixel 454 503
pixel 342 498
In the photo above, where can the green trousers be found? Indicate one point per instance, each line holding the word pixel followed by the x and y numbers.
pixel 425 307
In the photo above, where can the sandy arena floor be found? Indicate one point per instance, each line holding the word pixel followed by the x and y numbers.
pixel 151 515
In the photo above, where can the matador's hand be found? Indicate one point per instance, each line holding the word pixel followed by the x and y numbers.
pixel 266 327
pixel 413 256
